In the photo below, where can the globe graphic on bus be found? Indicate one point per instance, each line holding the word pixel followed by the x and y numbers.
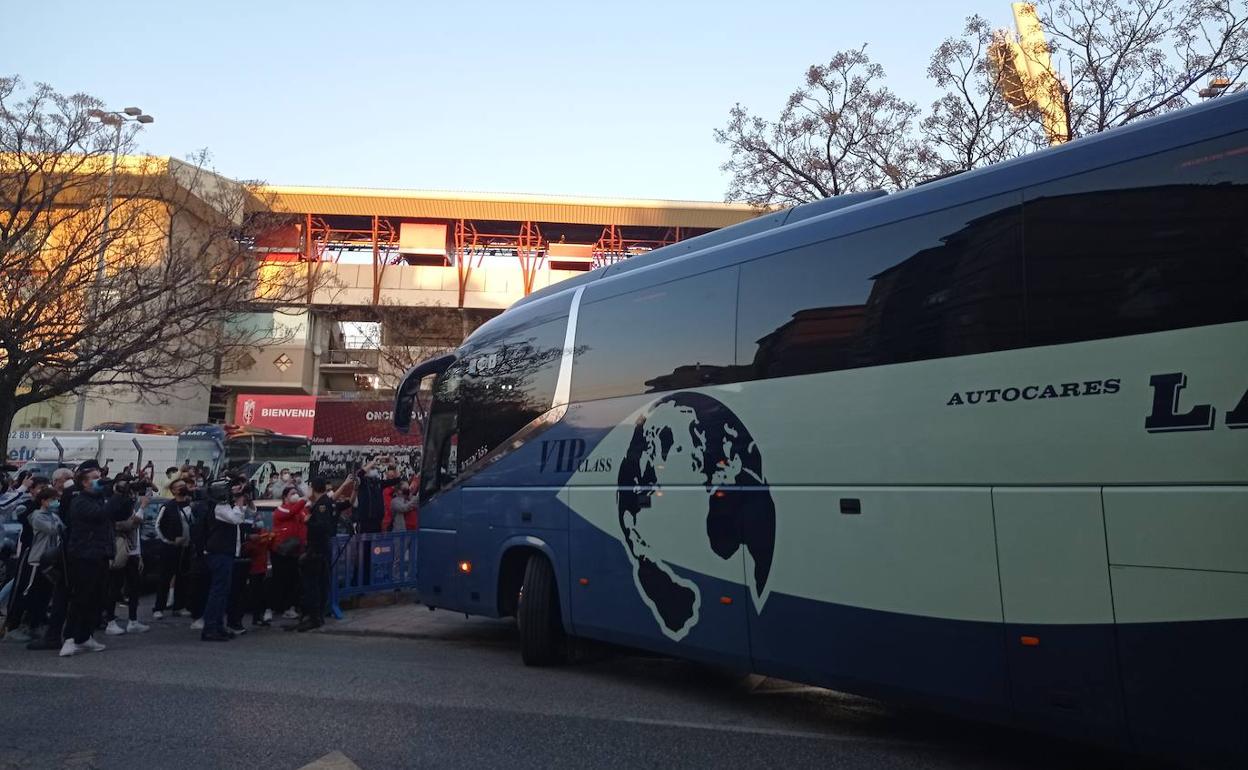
pixel 692 480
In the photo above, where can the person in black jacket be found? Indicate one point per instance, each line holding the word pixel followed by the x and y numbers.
pixel 173 527
pixel 370 506
pixel 222 547
pixel 314 565
pixel 89 548
pixel 125 510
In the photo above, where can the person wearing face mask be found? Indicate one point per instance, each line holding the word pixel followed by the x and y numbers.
pixel 402 513
pixel 370 508
pixel 238 601
pixel 273 490
pixel 173 527
pixel 296 480
pixel 23 620
pixel 315 564
pixel 223 546
pixel 89 549
pixel 62 481
pixel 290 537
pixel 45 555
pixel 126 513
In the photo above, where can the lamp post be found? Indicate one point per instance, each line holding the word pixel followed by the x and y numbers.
pixel 116 120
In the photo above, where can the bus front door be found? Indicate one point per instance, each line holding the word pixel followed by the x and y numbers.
pixel 438 577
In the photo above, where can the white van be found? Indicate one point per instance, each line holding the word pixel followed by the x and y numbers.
pixel 114 451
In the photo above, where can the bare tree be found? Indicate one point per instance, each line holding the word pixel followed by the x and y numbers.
pixel 135 285
pixel 842 131
pixel 1104 64
pixel 972 124
pixel 1120 60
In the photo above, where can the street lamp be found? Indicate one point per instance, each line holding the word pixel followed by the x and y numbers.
pixel 116 120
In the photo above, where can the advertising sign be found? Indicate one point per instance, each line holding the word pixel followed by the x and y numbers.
pixel 22 445
pixel 350 433
pixel 291 415
pixel 368 423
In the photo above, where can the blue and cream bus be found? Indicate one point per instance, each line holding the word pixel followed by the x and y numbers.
pixel 980 445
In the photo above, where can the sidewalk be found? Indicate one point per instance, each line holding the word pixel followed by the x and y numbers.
pixel 412 620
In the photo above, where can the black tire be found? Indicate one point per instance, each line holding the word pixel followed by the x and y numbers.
pixel 541 627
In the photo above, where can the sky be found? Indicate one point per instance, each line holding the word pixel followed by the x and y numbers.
pixel 599 98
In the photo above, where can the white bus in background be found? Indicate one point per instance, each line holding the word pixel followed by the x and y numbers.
pixel 150 454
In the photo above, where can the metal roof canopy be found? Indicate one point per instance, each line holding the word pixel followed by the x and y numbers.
pixel 423 204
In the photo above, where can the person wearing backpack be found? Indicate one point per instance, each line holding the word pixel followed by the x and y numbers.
pixel 126 573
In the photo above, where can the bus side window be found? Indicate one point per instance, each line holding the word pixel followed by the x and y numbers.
pixel 949 283
pixel 1149 245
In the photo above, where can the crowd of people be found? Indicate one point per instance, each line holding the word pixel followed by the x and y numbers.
pixel 79 556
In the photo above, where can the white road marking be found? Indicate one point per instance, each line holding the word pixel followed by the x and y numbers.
pixel 43 674
pixel 334 760
pixel 768 731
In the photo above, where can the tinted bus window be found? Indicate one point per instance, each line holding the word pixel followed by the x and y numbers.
pixel 238 451
pixel 942 284
pixel 1144 246
pixel 506 383
pixel 666 337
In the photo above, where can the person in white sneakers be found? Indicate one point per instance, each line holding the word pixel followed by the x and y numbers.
pixel 127 519
pixel 89 548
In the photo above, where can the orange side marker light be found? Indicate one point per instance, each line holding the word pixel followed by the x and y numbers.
pixel 465 567
pixel 1029 641
pixel 725 600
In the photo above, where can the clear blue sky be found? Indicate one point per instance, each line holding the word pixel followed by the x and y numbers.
pixel 591 98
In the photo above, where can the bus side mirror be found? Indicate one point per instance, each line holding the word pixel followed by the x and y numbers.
pixel 406 396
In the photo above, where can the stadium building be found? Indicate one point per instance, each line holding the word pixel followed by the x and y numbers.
pixel 399 275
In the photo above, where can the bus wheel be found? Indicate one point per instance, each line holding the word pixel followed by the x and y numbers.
pixel 541 627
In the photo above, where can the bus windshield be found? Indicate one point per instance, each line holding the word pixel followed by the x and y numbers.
pixel 440 464
pixel 200 451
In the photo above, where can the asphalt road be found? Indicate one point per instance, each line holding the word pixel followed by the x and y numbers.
pixel 459 699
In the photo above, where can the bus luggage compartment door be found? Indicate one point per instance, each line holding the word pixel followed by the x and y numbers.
pixel 1059 617
pixel 1178 561
pixel 651 578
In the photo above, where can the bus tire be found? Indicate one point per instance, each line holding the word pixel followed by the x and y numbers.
pixel 538 616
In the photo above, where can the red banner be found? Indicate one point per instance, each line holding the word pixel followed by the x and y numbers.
pixel 325 421
pixel 359 423
pixel 292 415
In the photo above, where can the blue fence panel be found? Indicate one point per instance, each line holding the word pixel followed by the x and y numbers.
pixel 364 563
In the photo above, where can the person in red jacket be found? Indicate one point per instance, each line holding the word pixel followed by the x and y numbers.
pixel 258 545
pixel 387 495
pixel 290 537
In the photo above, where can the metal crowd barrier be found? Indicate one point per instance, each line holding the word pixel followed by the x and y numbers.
pixel 383 561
